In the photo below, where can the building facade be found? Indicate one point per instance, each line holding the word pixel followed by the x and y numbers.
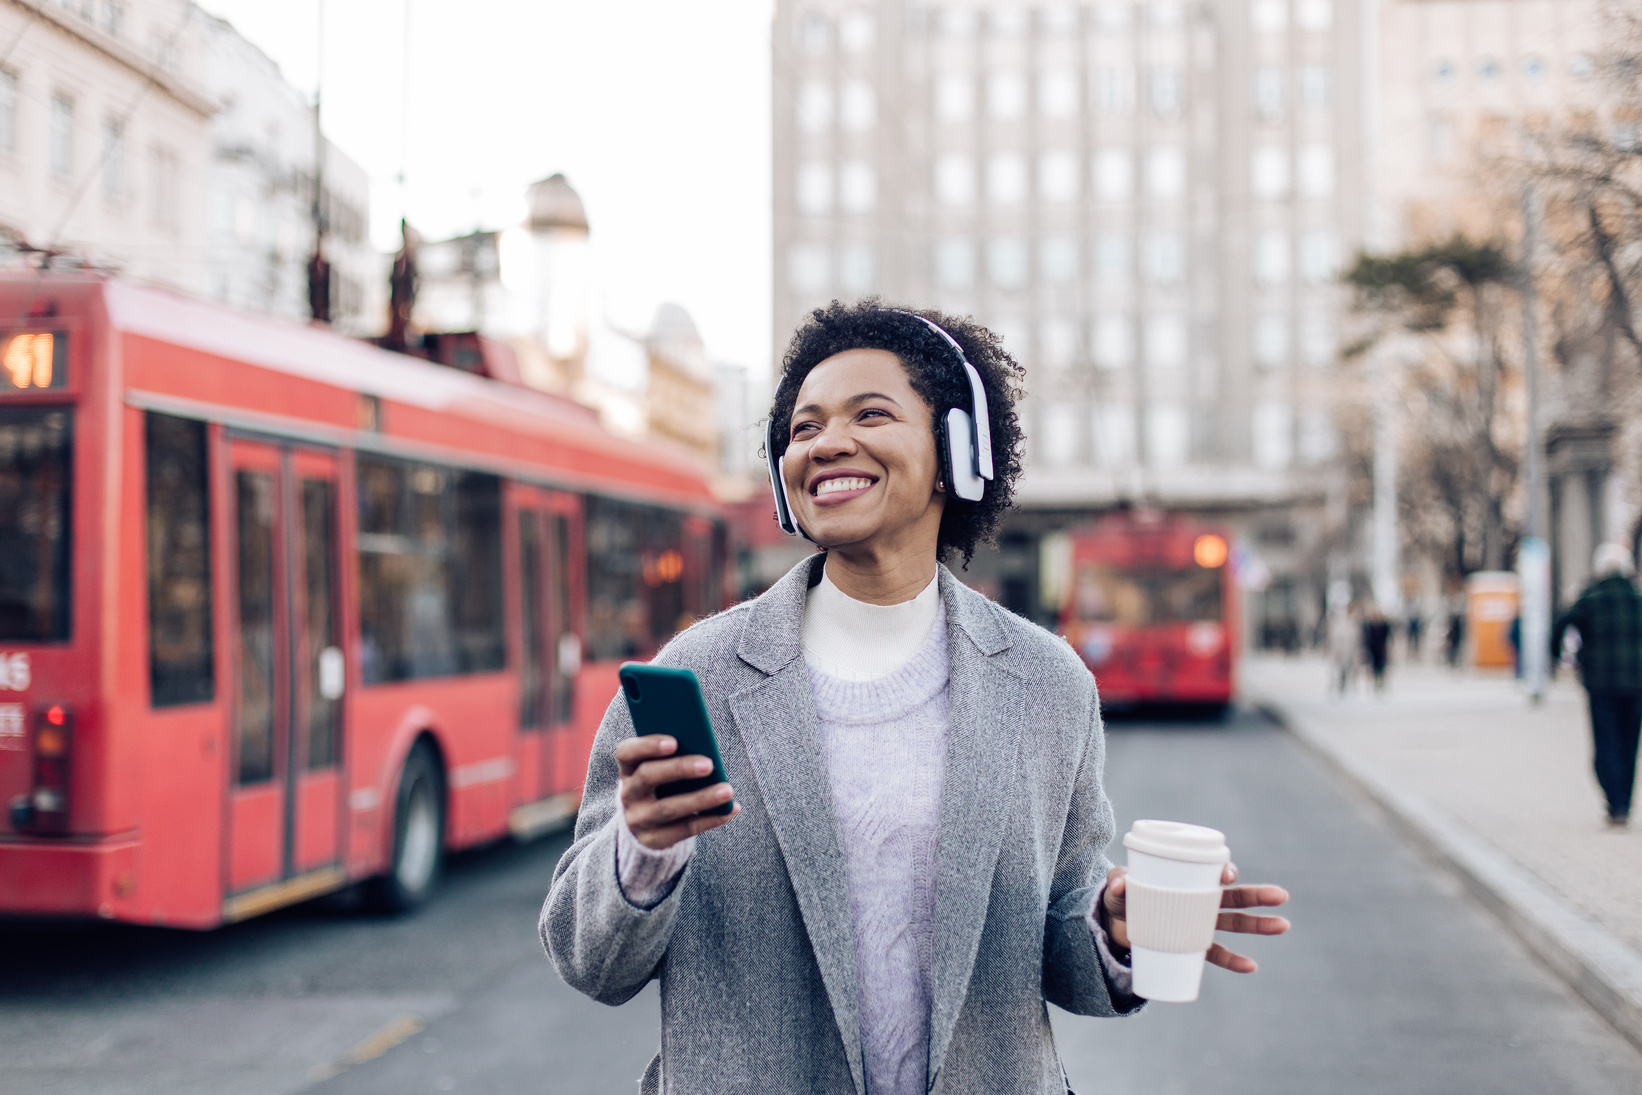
pixel 259 183
pixel 104 135
pixel 1150 202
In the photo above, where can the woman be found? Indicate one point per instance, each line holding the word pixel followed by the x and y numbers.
pixel 915 864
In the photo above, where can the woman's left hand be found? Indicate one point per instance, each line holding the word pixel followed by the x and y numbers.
pixel 1233 897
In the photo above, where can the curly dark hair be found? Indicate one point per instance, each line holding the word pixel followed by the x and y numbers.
pixel 935 375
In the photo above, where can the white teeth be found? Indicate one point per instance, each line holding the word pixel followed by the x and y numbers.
pixel 833 486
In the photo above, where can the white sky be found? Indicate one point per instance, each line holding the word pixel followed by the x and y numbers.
pixel 656 110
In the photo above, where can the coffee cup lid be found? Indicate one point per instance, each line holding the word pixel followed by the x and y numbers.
pixel 1177 840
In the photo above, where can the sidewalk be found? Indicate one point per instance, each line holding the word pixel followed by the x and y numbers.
pixel 1501 789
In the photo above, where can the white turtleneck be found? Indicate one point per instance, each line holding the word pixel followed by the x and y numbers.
pixel 856 641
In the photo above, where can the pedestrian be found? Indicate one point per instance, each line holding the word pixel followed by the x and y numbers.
pixel 1608 618
pixel 916 862
pixel 1416 632
pixel 1376 641
pixel 1344 646
pixel 1454 639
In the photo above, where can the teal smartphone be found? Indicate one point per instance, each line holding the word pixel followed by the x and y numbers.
pixel 665 699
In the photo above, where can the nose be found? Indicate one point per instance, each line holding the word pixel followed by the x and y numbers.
pixel 833 441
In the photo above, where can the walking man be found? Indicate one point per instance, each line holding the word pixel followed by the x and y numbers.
pixel 1608 616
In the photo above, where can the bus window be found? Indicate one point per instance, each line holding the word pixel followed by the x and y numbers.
pixel 318 554
pixel 531 678
pixel 430 570
pixel 36 469
pixel 181 653
pixel 635 578
pixel 254 719
pixel 1144 597
pixel 567 648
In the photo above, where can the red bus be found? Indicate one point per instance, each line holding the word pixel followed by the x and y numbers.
pixel 282 611
pixel 1151 609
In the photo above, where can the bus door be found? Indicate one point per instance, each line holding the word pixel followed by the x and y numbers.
pixel 549 638
pixel 288 671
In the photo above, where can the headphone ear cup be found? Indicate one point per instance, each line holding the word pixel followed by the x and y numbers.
pixel 778 485
pixel 957 447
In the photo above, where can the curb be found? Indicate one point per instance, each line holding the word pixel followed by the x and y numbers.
pixel 1595 963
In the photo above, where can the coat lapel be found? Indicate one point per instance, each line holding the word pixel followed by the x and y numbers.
pixel 777 724
pixel 983 738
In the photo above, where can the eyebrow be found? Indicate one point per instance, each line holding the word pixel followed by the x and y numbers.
pixel 852 401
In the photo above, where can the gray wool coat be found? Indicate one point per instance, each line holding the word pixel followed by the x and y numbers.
pixel 753 945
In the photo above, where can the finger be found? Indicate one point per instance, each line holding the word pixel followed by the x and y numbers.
pixel 1249 924
pixel 654 773
pixel 1117 887
pixel 1230 960
pixel 1228 874
pixel 635 750
pixel 661 812
pixel 663 838
pixel 1252 897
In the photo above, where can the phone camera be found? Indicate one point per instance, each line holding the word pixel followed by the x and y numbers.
pixel 630 685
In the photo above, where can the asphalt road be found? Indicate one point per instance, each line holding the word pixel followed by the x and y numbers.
pixel 1392 981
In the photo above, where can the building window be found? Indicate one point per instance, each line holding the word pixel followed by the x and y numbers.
pixel 1534 67
pixel 1440 140
pixel 1058 343
pixel 1168 435
pixel 1058 259
pixel 1112 14
pixel 1007 22
pixel 1271 340
pixel 1166 341
pixel 955 22
pixel 1006 179
pixel 1269 16
pixel 1268 92
pixel 1112 258
pixel 62 136
pixel 1114 172
pixel 1490 68
pixel 1166 172
pixel 1313 81
pixel 955 262
pixel 1314 14
pixel 1316 437
pixel 1059 443
pixel 8 111
pixel 1269 172
pixel 857 187
pixel 857 268
pixel 955 181
pixel 1165 14
pixel 857 32
pixel 113 162
pixel 1113 89
pixel 1058 176
pixel 808 268
pixel 954 98
pixel 1166 91
pixel 113 18
pixel 1115 435
pixel 166 183
pixel 1113 343
pixel 1581 65
pixel 1273 435
pixel 1319 256
pixel 1271 257
pixel 1317 346
pixel 1164 257
pixel 1057 19
pixel 1006 265
pixel 1444 72
pixel 814 106
pixel 815 188
pixel 814 35
pixel 1316 171
pixel 1006 96
pixel 857 106
pixel 1058 94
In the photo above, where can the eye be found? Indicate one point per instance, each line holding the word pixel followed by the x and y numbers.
pixel 875 412
pixel 801 427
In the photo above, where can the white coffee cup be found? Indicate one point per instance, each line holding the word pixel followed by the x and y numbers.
pixel 1172 900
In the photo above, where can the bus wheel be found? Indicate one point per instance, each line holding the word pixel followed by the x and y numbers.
pixel 418 836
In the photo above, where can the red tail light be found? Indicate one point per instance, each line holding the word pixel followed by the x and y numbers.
pixel 45 808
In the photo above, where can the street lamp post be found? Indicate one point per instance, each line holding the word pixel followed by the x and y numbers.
pixel 1534 556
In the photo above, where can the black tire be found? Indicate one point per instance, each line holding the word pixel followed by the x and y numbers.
pixel 418 836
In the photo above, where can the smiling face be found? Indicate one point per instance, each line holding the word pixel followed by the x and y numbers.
pixel 860 466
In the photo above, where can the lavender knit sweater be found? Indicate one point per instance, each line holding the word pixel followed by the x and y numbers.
pixel 882 716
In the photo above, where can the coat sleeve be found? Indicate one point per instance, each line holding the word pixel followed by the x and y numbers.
pixel 1074 977
pixel 600 942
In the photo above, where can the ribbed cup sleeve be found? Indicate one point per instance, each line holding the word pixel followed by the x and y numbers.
pixel 1172 921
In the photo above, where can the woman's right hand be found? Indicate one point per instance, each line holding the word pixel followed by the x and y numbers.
pixel 647 762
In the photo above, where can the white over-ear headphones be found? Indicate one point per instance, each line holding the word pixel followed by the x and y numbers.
pixel 963 440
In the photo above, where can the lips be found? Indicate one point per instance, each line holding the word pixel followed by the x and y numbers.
pixel 840 485
pixel 834 486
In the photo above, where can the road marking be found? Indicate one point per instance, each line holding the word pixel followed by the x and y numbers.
pixel 406 1026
